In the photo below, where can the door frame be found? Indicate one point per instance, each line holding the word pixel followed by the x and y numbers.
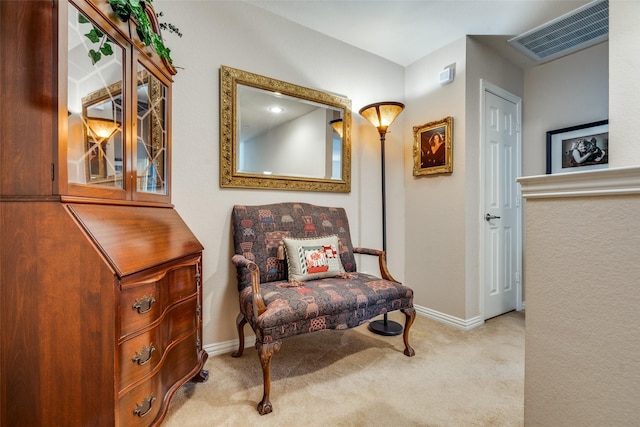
pixel 488 87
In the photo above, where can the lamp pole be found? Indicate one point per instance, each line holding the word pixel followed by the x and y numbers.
pixel 384 192
pixel 385 326
pixel 381 115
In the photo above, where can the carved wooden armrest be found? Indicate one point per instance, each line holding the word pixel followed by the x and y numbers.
pixel 258 302
pixel 382 261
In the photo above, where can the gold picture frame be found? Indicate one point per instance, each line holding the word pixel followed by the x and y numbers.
pixel 433 147
pixel 233 82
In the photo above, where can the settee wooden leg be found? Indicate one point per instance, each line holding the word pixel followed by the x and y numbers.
pixel 265 351
pixel 240 322
pixel 410 314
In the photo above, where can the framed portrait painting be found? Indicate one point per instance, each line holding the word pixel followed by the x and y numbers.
pixel 433 147
pixel 578 148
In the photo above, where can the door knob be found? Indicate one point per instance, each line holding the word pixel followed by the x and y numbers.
pixel 489 217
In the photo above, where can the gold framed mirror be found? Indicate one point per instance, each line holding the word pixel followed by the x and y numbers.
pixel 305 145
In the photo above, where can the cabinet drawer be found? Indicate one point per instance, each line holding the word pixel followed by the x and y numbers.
pixel 143 353
pixel 143 300
pixel 142 404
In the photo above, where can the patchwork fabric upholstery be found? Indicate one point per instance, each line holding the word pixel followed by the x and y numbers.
pixel 330 303
pixel 263 227
pixel 277 306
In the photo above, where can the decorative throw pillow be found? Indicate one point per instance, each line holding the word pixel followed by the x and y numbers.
pixel 313 258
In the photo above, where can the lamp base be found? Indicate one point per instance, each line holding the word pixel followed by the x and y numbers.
pixel 385 327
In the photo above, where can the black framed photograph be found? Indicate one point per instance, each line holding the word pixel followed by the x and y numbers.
pixel 433 147
pixel 578 148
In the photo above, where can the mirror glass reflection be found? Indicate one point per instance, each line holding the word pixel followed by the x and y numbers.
pixel 151 141
pixel 95 107
pixel 274 128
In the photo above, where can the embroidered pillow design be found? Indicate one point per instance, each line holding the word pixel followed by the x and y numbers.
pixel 315 258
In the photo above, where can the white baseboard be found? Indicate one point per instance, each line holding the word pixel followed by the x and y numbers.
pixel 230 346
pixel 456 322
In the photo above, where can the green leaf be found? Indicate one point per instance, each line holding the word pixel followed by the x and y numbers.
pixel 98 31
pixel 93 36
pixel 144 25
pixel 82 19
pixel 106 49
pixel 121 8
pixel 95 56
pixel 160 48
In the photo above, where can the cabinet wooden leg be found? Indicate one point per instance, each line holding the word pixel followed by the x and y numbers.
pixel 240 322
pixel 203 374
pixel 266 351
pixel 410 314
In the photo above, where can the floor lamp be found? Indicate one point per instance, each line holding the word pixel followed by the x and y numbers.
pixel 381 115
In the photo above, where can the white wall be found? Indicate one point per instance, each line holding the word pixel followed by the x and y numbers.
pixel 482 64
pixel 582 346
pixel 435 234
pixel 624 85
pixel 582 366
pixel 443 211
pixel 245 37
pixel 569 91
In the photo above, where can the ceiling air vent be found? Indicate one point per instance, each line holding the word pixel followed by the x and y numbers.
pixel 584 27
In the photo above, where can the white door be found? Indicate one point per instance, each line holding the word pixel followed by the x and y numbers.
pixel 501 221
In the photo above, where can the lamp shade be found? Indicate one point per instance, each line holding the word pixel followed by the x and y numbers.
pixel 337 126
pixel 102 129
pixel 382 114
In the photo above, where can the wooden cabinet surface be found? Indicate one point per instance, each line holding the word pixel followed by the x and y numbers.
pixel 100 278
pixel 81 344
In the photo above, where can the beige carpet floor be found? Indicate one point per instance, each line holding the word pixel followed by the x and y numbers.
pixel 356 378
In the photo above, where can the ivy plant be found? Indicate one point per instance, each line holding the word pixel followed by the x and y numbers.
pixel 96 36
pixel 126 9
pixel 135 9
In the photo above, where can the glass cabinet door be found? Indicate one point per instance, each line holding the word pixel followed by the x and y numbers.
pixel 96 111
pixel 117 133
pixel 151 134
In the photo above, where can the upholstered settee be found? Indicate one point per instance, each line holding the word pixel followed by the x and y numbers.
pixel 297 273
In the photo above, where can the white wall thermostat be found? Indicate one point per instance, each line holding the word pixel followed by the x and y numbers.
pixel 446 76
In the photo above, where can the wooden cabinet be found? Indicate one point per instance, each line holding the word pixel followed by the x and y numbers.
pixel 100 278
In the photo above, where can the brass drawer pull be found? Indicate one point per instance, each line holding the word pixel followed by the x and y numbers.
pixel 144 356
pixel 142 410
pixel 144 305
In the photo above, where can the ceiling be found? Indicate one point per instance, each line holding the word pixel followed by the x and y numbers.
pixel 404 31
